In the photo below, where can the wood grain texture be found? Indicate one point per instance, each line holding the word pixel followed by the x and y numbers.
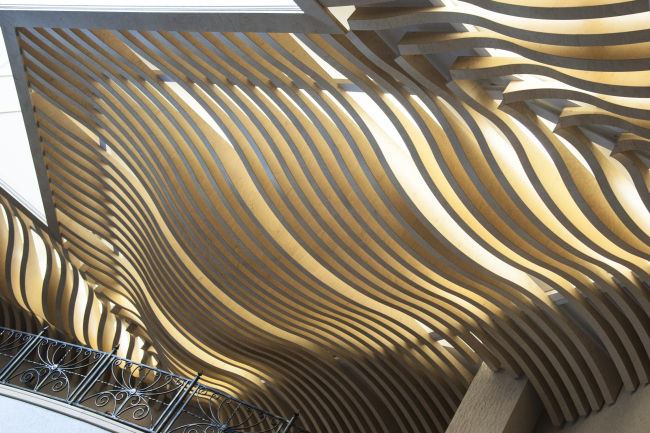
pixel 46 284
pixel 285 211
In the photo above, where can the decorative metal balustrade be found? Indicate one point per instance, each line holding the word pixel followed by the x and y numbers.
pixel 135 394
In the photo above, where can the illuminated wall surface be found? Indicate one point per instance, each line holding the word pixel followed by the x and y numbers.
pixel 22 417
pixel 348 222
pixel 17 174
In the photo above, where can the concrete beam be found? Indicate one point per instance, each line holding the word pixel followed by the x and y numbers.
pixel 20 80
pixel 497 403
pixel 313 20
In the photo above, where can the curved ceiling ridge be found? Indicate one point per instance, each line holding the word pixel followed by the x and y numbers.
pixel 350 223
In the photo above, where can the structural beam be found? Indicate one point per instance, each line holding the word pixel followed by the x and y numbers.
pixel 497 403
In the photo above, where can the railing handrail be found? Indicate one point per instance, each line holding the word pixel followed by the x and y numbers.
pixel 99 362
pixel 95 351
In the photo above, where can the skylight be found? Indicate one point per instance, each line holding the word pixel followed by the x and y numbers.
pixel 17 174
pixel 217 6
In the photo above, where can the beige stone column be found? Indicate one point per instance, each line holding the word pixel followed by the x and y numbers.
pixel 497 403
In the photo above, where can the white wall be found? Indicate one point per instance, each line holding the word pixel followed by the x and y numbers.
pixel 19 417
pixel 16 165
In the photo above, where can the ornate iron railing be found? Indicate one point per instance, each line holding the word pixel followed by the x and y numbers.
pixel 135 394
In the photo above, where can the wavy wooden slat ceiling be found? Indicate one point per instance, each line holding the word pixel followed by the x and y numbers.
pixel 333 223
pixel 46 285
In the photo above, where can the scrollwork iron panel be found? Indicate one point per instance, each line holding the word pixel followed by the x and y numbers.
pixel 10 344
pixel 211 411
pixel 54 368
pixel 133 393
pixel 141 396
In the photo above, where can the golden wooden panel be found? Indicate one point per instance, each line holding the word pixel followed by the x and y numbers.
pixel 46 284
pixel 250 216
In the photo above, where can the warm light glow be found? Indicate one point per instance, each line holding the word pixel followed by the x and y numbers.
pixel 425 327
pixel 19 227
pixel 5 219
pixel 334 73
pixel 41 253
pixel 568 145
pixel 421 103
pixel 533 139
pixel 138 344
pixel 380 119
pixel 197 107
pixel 57 259
pixel 316 104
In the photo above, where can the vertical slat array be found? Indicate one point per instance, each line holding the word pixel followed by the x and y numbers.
pixel 291 214
pixel 46 284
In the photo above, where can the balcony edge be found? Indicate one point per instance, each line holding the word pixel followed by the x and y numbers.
pixel 66 409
